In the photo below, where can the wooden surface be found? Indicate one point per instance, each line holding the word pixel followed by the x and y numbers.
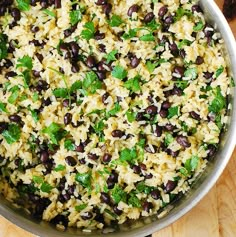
pixel 214 216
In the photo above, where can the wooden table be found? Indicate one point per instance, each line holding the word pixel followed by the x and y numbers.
pixel 214 216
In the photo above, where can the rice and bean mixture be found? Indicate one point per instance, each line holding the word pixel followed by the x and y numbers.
pixel 109 109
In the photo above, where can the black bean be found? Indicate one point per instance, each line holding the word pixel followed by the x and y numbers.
pixel 67 55
pixel 42 86
pixel 155 194
pixel 66 103
pixel 152 110
pixel 99 36
pixel 10 74
pixel 104 98
pixel 194 115
pixel 140 116
pixel 162 11
pixel 148 149
pixel 166 105
pixel 71 161
pixel 91 61
pixel 75 48
pixel 46 102
pixel 170 186
pixel 80 148
pixel 147 206
pixel 34 29
pixel 44 4
pixel 117 211
pixel 35 43
pixel 71 190
pixel 183 141
pixel 179 70
pixel 196 8
pixel 132 9
pixel 33 2
pixel 182 53
pixel 211 151
pixel 39 56
pixel 136 169
pixel 92 156
pixel 169 20
pixel 87 215
pixel 102 48
pixel 57 3
pixel 149 17
pixel 60 219
pixel 15 118
pixel 177 91
pixel 101 2
pixel 148 176
pixel 36 73
pixel 75 68
pixel 3 126
pixel 105 198
pixel 208 75
pixel 15 13
pixel 106 158
pixel 113 176
pixel 107 8
pixel 143 166
pixel 110 184
pixel 158 131
pixel 169 127
pixel 117 133
pixel 3 10
pixel 44 157
pixel 101 67
pixel 174 49
pixel 67 118
pixel 101 75
pixel 134 62
pixel 163 113
pixel 199 60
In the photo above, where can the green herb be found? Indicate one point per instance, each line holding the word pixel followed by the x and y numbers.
pixel 131 116
pixel 182 12
pixel 232 83
pixel 153 25
pixel 115 21
pixel 14 94
pixel 110 57
pixel 3 46
pixel 119 72
pixel 89 31
pixel 114 111
pixel 128 155
pixel 134 201
pixel 198 27
pixel 143 188
pixel 69 145
pixel 75 17
pixel 218 121
pixel 191 73
pixel 147 37
pixel 60 93
pixel 118 194
pixel 99 127
pixel 218 103
pixel 81 207
pixel 76 86
pixel 91 83
pixel 59 168
pixel 168 139
pixel 133 84
pixel 26 78
pixel 37 179
pixel 183 43
pixel 112 214
pixel 84 179
pixel 23 5
pixel 181 84
pixel 3 107
pixel 55 132
pixel 34 114
pixel 219 71
pixel 131 34
pixel 26 62
pixel 151 66
pixel 35 97
pixel 49 13
pixel 46 188
pixel 173 111
pixel 190 165
pixel 12 133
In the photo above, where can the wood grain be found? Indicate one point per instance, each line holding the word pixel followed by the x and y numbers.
pixel 214 216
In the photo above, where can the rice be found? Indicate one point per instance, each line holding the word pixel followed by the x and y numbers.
pixel 109 111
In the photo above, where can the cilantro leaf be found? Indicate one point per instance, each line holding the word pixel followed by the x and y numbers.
pixel 130 34
pixel 198 27
pixel 75 17
pixel 49 13
pixel 114 111
pixel 133 84
pixel 3 107
pixel 173 111
pixel 134 200
pixel 153 25
pixel 46 187
pixel 218 103
pixel 55 132
pixel 84 179
pixel 99 127
pixel 12 133
pixel 34 114
pixel 35 97
pixel 190 165
pixel 26 62
pixel 131 116
pixel 191 73
pixel 219 71
pixel 23 5
pixel 118 194
pixel 81 207
pixel 181 84
pixel 151 66
pixel 14 94
pixel 110 57
pixel 89 31
pixel 168 139
pixel 183 43
pixel 59 168
pixel 147 37
pixel 3 46
pixel 143 188
pixel 60 92
pixel 182 12
pixel 37 179
pixel 119 72
pixel 115 21
pixel 76 86
pixel 91 83
pixel 26 78
pixel 128 155
pixel 69 145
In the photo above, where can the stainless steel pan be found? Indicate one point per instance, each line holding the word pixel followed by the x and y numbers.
pixel 201 187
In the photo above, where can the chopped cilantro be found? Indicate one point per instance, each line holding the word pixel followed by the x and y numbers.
pixel 3 46
pixel 119 72
pixel 3 107
pixel 143 188
pixel 130 34
pixel 182 12
pixel 147 38
pixel 91 83
pixel 81 207
pixel 133 84
pixel 49 13
pixel 198 27
pixel 89 31
pixel 115 21
pixel 35 97
pixel 84 179
pixel 14 94
pixel 59 168
pixel 118 194
pixel 76 86
pixel 75 16
pixel 173 111
pixel 219 71
pixel 153 25
pixel 69 145
pixel 183 43
pixel 168 139
pixel 112 214
pixel 114 111
pixel 190 165
pixel 23 5
pixel 26 62
pixel 12 133
pixel 37 179
pixel 151 66
pixel 218 103
pixel 134 200
pixel 46 187
pixel 131 116
pixel 191 73
pixel 60 93
pixel 128 155
pixel 110 57
pixel 181 84
pixel 34 114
